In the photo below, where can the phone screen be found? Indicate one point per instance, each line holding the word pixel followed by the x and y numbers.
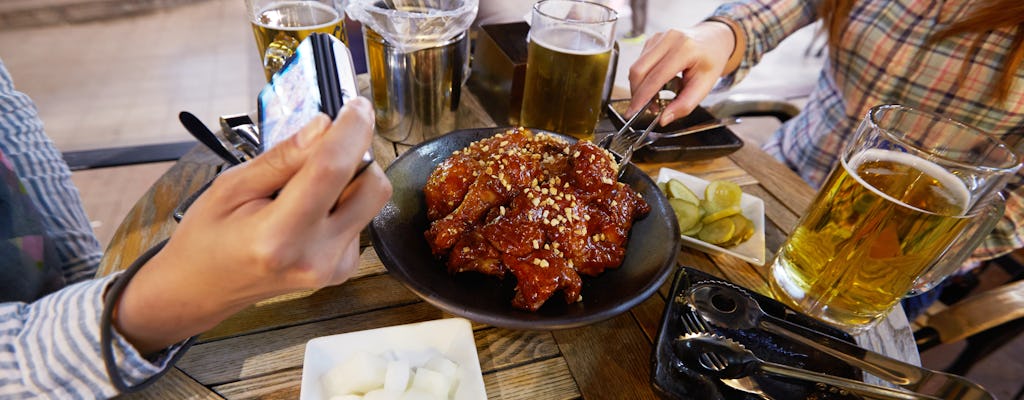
pixel 291 100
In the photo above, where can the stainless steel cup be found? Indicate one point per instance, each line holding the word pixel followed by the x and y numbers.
pixel 416 94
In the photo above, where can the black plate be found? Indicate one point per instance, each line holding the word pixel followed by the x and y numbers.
pixel 398 238
pixel 673 379
pixel 712 143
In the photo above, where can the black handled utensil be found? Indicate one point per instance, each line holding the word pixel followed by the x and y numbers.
pixel 205 136
pixel 735 361
pixel 728 306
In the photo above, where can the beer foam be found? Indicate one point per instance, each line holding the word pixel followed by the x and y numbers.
pixel 570 41
pixel 954 185
pixel 279 11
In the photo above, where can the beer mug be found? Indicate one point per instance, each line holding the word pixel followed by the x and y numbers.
pixel 908 186
pixel 567 66
pixel 956 255
pixel 279 26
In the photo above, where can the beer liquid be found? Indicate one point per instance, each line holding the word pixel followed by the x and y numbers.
pixel 565 73
pixel 878 222
pixel 286 23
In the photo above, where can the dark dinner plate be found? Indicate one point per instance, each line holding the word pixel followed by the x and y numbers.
pixel 397 234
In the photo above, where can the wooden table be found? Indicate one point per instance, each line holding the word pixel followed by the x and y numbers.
pixel 258 353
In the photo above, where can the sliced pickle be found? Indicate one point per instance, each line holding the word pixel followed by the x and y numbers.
pixel 708 207
pixel 694 230
pixel 717 232
pixel 721 213
pixel 687 214
pixel 744 230
pixel 678 190
pixel 748 229
pixel 722 194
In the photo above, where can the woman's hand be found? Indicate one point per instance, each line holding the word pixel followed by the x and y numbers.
pixel 239 244
pixel 700 54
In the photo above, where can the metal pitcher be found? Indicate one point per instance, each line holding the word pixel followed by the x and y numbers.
pixel 416 94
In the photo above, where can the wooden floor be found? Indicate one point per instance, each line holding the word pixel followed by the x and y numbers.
pixel 108 193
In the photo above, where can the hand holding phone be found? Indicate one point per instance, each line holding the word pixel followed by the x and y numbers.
pixel 319 77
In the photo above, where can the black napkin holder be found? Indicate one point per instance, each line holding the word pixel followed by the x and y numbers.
pixel 499 69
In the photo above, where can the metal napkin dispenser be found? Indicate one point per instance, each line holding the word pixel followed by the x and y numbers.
pixel 499 69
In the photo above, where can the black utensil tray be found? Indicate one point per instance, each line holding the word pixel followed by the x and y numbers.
pixel 672 379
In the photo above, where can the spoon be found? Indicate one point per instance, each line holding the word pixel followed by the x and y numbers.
pixel 206 137
pixel 740 362
pixel 728 306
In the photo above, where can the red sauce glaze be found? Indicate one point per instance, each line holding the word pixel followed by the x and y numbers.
pixel 532 205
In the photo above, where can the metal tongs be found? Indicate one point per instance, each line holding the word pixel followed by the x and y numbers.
pixel 728 306
pixel 625 141
pixel 735 361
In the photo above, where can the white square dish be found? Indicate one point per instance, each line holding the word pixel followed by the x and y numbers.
pixel 451 337
pixel 752 250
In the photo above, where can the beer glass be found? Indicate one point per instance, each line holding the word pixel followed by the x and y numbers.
pixel 908 185
pixel 279 26
pixel 956 255
pixel 567 64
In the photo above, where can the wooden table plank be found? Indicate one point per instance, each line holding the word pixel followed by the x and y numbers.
pixel 148 222
pixel 548 379
pixel 775 180
pixel 721 168
pixel 174 385
pixel 609 359
pixel 499 349
pixel 370 293
pixel 257 354
pixel 279 385
pixel 648 313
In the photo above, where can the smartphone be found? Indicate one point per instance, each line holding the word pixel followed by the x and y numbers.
pixel 319 77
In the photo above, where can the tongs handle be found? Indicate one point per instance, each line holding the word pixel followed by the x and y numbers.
pixel 877 392
pixel 907 376
pixel 628 154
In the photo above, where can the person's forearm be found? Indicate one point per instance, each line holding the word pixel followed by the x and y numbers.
pixel 727 34
pixel 157 310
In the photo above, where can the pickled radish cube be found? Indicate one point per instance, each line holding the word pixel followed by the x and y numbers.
pixel 381 394
pixel 446 367
pixel 431 382
pixel 414 394
pixel 346 397
pixel 396 378
pixel 359 373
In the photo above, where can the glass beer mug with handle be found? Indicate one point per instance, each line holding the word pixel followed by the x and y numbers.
pixel 908 185
pixel 960 250
pixel 567 66
pixel 279 26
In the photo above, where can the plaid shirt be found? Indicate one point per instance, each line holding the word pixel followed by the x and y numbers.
pixel 883 59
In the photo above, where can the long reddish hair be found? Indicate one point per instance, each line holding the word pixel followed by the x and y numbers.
pixel 985 17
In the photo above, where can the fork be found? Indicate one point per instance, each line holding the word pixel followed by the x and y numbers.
pixel 623 142
pixel 694 324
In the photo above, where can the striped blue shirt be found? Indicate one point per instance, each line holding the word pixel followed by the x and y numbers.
pixel 883 58
pixel 50 348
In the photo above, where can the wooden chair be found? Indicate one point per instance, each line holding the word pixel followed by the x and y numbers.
pixel 127 155
pixel 987 321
